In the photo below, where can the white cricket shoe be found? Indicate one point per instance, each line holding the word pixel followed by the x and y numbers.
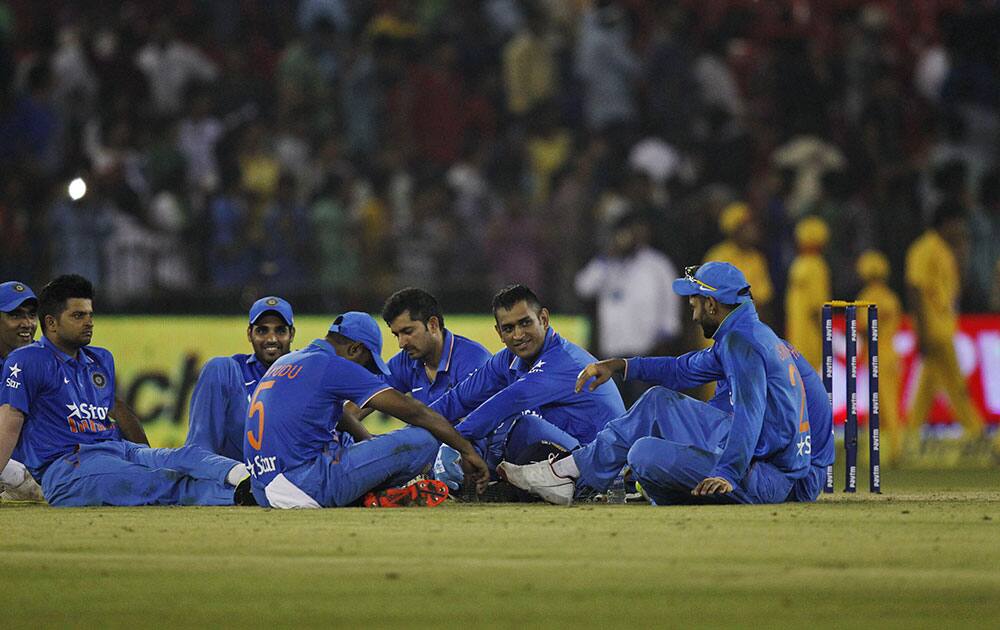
pixel 539 479
pixel 27 490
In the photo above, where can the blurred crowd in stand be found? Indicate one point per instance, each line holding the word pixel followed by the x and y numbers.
pixel 333 151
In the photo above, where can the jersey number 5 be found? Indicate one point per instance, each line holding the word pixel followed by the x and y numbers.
pixel 257 408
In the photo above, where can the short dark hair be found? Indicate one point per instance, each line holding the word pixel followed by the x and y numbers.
pixel 53 296
pixel 511 294
pixel 421 304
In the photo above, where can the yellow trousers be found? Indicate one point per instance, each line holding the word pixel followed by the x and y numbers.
pixel 941 371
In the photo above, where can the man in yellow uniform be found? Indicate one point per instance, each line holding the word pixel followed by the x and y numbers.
pixel 808 289
pixel 932 284
pixel 740 250
pixel 873 270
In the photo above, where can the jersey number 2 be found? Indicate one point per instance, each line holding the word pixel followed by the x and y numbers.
pixel 257 408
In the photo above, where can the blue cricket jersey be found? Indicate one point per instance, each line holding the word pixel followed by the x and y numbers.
pixel 296 407
pixel 505 385
pixel 817 409
pixel 65 401
pixel 459 358
pixel 219 403
pixel 766 391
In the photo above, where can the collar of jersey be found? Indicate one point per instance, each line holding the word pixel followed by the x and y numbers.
pixel 743 312
pixel 550 338
pixel 82 356
pixel 448 347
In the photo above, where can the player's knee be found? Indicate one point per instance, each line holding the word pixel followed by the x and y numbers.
pixel 422 440
pixel 648 455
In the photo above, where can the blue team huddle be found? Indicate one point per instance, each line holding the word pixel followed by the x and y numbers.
pixel 285 429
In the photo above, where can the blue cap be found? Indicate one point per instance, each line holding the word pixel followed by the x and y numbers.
pixel 274 304
pixel 719 280
pixel 13 294
pixel 363 328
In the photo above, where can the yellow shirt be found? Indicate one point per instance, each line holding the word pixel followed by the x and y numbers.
pixel 932 269
pixel 808 289
pixel 890 312
pixel 529 73
pixel 751 262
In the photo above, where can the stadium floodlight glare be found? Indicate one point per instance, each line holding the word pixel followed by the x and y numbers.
pixel 77 189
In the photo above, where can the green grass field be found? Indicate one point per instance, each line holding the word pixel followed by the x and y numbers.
pixel 925 554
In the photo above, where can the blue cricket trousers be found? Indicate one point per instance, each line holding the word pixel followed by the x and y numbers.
pixel 344 474
pixel 672 442
pixel 124 473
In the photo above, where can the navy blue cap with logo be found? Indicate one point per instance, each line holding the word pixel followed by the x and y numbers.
pixel 272 303
pixel 13 294
pixel 719 280
pixel 361 327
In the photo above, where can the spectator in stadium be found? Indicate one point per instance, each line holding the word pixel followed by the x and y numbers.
pixel 984 224
pixel 683 450
pixel 932 283
pixel 520 404
pixel 873 269
pixel 98 454
pixel 295 463
pixel 18 323
pixel 808 289
pixel 632 284
pixel 608 68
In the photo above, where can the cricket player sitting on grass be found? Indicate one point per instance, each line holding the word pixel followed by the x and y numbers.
pixel 520 406
pixel 18 323
pixel 59 416
pixel 295 462
pixel 222 394
pixel 683 450
pixel 431 362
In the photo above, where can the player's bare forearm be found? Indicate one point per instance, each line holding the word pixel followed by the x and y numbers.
pixel 601 372
pixel 350 424
pixel 417 414
pixel 128 423
pixel 11 421
pixel 358 413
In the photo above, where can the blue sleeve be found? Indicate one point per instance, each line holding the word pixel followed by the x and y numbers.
pixel 538 387
pixel 684 372
pixel 349 381
pixel 747 379
pixel 395 378
pixel 474 390
pixel 23 379
pixel 211 403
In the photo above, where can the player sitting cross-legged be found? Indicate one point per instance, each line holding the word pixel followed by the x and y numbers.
pixel 292 456
pixel 519 406
pixel 686 451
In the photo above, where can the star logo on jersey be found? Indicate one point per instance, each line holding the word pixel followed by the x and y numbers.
pixel 14 371
pixel 536 368
pixel 99 379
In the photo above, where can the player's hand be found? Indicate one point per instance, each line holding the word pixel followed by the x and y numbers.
pixel 601 372
pixel 475 470
pixel 712 485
